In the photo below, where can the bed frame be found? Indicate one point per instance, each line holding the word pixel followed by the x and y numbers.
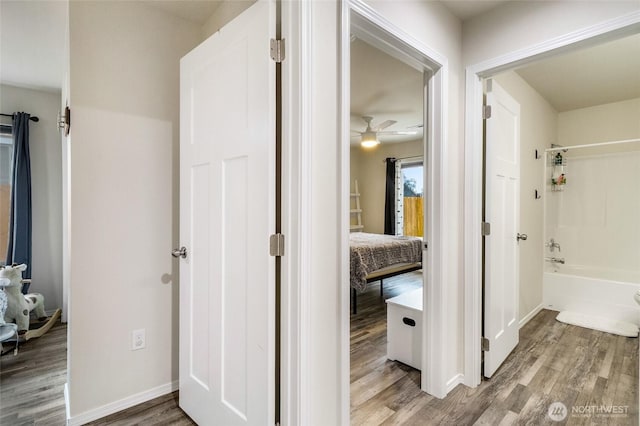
pixel 381 276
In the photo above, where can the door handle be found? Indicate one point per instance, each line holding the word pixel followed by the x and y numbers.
pixel 181 252
pixel 522 237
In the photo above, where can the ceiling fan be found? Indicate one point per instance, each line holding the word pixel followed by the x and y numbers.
pixel 369 137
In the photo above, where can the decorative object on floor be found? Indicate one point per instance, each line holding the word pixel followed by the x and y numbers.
pixel 7 331
pixel 621 328
pixel 19 306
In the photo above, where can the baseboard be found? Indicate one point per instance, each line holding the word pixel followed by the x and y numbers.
pixel 66 402
pixel 530 315
pixel 123 404
pixel 454 381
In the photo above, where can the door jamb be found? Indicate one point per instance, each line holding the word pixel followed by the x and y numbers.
pixel 373 27
pixel 605 31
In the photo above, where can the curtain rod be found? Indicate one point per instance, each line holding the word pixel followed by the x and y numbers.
pixel 33 118
pixel 564 148
pixel 414 157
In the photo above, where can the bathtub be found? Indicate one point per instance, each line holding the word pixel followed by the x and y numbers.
pixel 592 291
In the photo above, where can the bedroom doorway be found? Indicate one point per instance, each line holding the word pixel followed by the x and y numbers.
pixel 393 90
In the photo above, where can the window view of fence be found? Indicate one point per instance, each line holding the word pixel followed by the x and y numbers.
pixel 413 203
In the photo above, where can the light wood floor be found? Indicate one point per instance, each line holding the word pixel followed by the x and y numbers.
pixel 553 362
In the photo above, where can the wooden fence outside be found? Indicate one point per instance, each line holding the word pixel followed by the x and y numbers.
pixel 414 216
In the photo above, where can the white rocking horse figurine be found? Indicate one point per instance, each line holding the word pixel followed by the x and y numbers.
pixel 19 306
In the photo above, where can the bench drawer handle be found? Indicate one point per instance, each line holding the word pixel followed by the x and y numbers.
pixel 409 321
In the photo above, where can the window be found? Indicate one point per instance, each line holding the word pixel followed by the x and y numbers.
pixel 413 200
pixel 6 157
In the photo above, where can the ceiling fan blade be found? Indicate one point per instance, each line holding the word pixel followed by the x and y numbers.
pixel 399 132
pixel 384 125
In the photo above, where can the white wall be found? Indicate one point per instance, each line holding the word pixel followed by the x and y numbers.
pixel 46 186
pixel 224 13
pixel 538 126
pixel 124 81
pixel 369 168
pixel 595 217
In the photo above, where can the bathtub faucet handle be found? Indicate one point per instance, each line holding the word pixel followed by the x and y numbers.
pixel 553 244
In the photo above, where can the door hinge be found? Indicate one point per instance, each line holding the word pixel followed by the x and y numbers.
pixel 486 229
pixel 276 245
pixel 485 344
pixel 64 121
pixel 277 50
pixel 486 111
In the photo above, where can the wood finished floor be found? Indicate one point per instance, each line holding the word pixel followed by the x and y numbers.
pixel 32 383
pixel 553 362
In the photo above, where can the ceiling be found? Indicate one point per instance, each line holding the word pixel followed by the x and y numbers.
pixel 602 74
pixel 466 9
pixel 386 89
pixel 32 43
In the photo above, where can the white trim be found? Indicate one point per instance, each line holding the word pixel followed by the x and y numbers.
pixel 530 315
pixel 67 409
pixel 454 381
pixel 344 203
pixel 122 404
pixel 296 212
pixel 363 21
pixel 607 30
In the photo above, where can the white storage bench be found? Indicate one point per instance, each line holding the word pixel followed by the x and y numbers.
pixel 404 328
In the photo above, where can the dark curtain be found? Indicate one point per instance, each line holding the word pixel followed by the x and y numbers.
pixel 19 249
pixel 390 198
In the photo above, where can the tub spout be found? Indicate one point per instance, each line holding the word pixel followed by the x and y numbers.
pixel 555 260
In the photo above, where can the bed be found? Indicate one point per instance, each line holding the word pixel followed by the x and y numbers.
pixel 374 257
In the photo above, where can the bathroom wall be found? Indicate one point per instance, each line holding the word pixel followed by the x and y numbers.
pixel 595 217
pixel 368 167
pixel 538 124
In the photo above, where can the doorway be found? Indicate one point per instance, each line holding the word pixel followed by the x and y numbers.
pixel 474 197
pixel 365 24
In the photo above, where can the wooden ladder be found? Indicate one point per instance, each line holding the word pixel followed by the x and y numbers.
pixel 357 211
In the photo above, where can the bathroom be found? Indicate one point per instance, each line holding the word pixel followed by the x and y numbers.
pixel 579 185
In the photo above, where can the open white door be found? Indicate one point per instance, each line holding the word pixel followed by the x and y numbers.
pixel 502 211
pixel 227 212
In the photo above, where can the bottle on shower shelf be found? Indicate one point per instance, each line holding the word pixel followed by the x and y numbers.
pixel 558 177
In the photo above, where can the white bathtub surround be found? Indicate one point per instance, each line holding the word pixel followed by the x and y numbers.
pixel 594 292
pixel 621 328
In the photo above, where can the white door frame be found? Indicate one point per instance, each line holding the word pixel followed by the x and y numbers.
pixel 363 21
pixel 608 30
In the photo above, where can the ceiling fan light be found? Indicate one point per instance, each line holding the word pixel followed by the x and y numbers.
pixel 369 140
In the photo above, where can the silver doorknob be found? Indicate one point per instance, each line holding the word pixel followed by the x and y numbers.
pixel 181 252
pixel 522 237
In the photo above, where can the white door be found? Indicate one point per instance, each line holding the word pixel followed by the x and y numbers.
pixel 227 212
pixel 502 204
